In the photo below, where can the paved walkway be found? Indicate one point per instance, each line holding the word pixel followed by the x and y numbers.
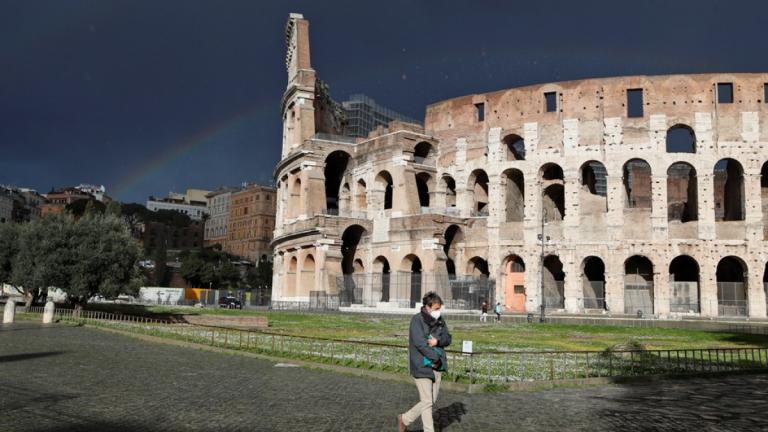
pixel 80 379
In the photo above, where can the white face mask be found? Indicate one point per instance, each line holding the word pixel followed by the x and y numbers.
pixel 435 314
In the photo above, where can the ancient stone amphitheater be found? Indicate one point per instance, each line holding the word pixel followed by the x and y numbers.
pixel 641 195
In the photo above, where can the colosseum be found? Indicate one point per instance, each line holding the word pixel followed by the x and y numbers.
pixel 640 195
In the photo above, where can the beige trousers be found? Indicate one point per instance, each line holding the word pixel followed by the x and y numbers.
pixel 427 397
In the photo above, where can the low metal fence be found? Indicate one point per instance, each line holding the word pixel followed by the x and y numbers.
pixel 477 367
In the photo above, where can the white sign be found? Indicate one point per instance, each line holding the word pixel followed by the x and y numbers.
pixel 466 347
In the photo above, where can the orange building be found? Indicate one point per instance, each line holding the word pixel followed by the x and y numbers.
pixel 251 222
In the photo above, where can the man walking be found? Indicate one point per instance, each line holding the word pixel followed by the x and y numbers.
pixel 427 361
pixel 497 310
pixel 483 312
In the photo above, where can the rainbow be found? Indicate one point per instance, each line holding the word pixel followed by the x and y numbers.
pixel 210 135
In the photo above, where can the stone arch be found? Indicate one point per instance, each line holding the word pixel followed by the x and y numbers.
pixel 514 284
pixel 477 266
pixel 732 286
pixel 453 235
pixel 684 281
pixel 593 196
pixel 513 187
pixel 290 277
pixel 728 190
pixel 422 152
pixel 478 184
pixel 295 201
pixel 553 282
pixel 351 239
pixel 336 165
pixel 515 146
pixel 682 193
pixel 411 266
pixel 448 184
pixel 638 181
pixel 681 139
pixel 307 278
pixel 553 191
pixel 358 267
pixel 382 273
pixel 593 282
pixel 423 181
pixel 638 286
pixel 385 189
pixel 360 197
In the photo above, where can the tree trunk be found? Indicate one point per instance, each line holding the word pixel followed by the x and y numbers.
pixel 78 308
pixel 28 299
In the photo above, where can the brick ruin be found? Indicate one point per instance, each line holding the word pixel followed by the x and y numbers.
pixel 629 195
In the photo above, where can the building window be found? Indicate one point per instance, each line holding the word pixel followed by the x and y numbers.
pixel 725 92
pixel 635 103
pixel 480 107
pixel 550 101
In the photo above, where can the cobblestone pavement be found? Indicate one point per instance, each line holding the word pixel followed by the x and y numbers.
pixel 80 379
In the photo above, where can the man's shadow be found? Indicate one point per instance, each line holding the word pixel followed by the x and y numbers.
pixel 446 416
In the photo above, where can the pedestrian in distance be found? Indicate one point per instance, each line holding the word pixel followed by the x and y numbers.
pixel 427 337
pixel 483 312
pixel 497 310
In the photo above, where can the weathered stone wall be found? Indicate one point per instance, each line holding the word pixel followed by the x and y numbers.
pixel 492 194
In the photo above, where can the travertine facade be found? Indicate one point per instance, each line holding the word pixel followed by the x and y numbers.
pixel 654 208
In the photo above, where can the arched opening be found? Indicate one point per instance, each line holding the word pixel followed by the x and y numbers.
pixel 553 282
pixel 382 277
pixel 684 282
pixel 385 188
pixel 513 185
pixel 294 203
pixel 453 235
pixel 351 291
pixel 422 185
pixel 553 192
pixel 514 284
pixel 732 290
pixel 422 152
pixel 729 190
pixel 593 283
pixel 358 267
pixel 681 139
pixel 515 147
pixel 307 276
pixel 764 198
pixel 449 185
pixel 637 184
pixel 593 196
pixel 360 198
pixel 478 267
pixel 638 286
pixel 335 167
pixel 682 199
pixel 478 182
pixel 411 265
pixel 554 203
pixel 290 277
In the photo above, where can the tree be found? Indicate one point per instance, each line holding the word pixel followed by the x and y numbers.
pixel 192 270
pixel 161 268
pixel 9 248
pixel 44 257
pixel 105 259
pixel 229 275
pixel 114 209
pixel 84 206
pixel 260 277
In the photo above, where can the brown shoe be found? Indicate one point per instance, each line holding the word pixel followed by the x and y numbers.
pixel 400 424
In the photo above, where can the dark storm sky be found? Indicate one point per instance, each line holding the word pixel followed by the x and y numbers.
pixel 150 96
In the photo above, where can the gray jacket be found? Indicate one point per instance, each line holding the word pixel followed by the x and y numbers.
pixel 418 348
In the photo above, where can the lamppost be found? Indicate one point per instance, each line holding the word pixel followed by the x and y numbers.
pixel 542 239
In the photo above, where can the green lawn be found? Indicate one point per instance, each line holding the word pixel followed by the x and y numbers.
pixel 486 336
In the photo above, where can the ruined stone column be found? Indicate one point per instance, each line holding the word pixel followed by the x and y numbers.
pixel 756 291
pixel 572 290
pixel 9 315
pixel 48 313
